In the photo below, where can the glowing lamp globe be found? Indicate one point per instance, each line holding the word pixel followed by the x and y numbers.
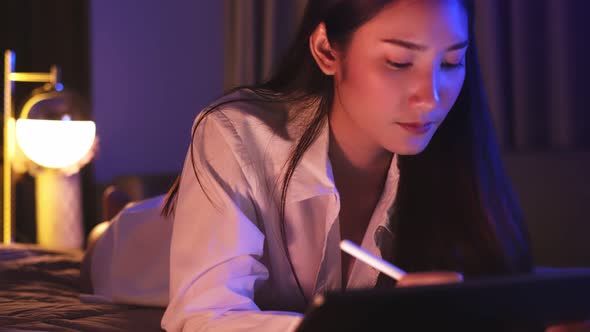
pixel 55 143
pixel 52 132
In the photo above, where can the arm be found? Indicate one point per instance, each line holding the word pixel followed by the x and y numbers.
pixel 217 244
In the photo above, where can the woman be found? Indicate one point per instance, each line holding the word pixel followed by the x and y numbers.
pixel 277 174
pixel 373 129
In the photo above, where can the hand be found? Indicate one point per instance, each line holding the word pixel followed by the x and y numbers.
pixel 583 326
pixel 429 278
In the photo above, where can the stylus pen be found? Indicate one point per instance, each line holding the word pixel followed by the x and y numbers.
pixel 368 258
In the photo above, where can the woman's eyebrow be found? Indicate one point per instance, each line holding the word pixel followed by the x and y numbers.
pixel 417 47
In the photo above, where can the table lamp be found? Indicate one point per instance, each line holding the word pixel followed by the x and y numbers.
pixel 50 139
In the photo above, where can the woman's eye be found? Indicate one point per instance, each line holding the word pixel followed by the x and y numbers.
pixel 398 65
pixel 444 65
pixel 452 65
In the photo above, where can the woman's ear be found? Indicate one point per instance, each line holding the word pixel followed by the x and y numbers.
pixel 325 56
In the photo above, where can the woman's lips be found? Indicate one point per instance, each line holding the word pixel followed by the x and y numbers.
pixel 416 128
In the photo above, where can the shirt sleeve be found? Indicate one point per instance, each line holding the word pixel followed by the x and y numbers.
pixel 216 242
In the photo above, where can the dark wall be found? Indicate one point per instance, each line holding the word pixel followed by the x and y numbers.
pixel 154 65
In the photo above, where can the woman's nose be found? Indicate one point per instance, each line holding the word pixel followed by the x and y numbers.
pixel 425 95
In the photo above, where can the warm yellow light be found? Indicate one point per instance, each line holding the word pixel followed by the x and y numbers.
pixel 55 143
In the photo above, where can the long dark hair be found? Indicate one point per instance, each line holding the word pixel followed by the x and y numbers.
pixel 454 207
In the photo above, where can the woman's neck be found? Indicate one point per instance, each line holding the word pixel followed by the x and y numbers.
pixel 352 153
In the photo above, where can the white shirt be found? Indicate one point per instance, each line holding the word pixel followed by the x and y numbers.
pixel 130 260
pixel 228 266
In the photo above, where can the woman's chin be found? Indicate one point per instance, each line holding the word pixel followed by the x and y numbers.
pixel 409 149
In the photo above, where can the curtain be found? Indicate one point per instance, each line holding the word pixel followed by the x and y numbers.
pixel 256 33
pixel 534 66
pixel 533 55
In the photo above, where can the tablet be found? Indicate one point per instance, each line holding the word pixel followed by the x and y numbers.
pixel 515 303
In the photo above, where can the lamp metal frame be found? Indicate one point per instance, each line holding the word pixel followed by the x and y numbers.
pixel 8 188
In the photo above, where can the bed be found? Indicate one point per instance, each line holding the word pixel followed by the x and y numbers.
pixel 40 289
pixel 40 292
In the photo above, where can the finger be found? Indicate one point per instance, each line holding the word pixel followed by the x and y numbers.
pixel 429 278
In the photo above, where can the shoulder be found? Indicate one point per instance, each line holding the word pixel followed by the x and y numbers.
pixel 248 113
pixel 246 122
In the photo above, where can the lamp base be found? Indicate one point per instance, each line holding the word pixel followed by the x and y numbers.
pixel 59 210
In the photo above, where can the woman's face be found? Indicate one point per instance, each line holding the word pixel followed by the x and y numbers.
pixel 400 74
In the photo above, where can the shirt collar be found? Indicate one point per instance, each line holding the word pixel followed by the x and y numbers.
pixel 313 176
